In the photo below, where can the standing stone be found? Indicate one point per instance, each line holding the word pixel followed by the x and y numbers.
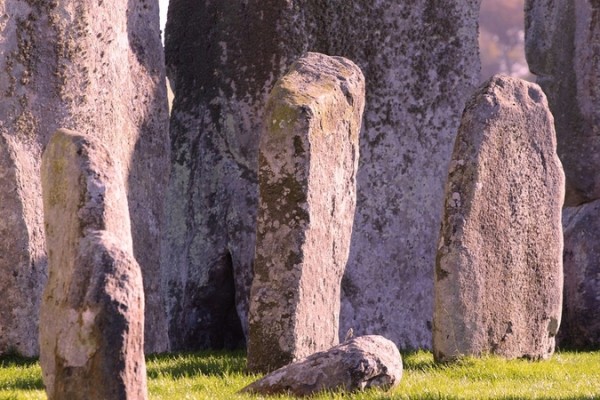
pixel 92 312
pixel 580 327
pixel 563 50
pixel 308 158
pixel 498 275
pixel 364 362
pixel 420 61
pixel 97 67
pixel 562 39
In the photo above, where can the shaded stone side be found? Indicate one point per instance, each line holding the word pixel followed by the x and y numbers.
pixel 498 275
pixel 92 311
pixel 562 41
pixel 308 158
pixel 580 328
pixel 420 61
pixel 96 67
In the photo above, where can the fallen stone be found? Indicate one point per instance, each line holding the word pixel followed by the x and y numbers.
pixel 308 159
pixel 92 311
pixel 498 275
pixel 580 327
pixel 98 67
pixel 420 61
pixel 562 45
pixel 360 363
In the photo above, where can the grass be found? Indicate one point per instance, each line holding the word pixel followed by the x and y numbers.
pixel 219 375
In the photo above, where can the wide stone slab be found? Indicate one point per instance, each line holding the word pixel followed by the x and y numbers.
pixel 420 61
pixel 562 45
pixel 308 158
pixel 97 67
pixel 363 362
pixel 498 275
pixel 92 311
pixel 580 328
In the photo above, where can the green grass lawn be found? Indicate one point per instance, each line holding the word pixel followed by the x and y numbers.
pixel 218 375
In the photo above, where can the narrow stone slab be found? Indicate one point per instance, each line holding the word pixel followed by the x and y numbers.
pixel 92 311
pixel 498 275
pixel 308 159
pixel 562 45
pixel 364 362
pixel 580 328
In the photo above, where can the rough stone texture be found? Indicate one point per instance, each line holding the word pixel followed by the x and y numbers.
pixel 363 362
pixel 498 275
pixel 96 67
pixel 580 327
pixel 420 62
pixel 92 311
pixel 308 157
pixel 563 50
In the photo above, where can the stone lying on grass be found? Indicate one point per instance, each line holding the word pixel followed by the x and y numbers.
pixel 357 364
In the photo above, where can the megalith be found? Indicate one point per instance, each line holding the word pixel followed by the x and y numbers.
pixel 563 50
pixel 92 311
pixel 360 363
pixel 562 46
pixel 498 274
pixel 420 61
pixel 97 67
pixel 580 327
pixel 308 158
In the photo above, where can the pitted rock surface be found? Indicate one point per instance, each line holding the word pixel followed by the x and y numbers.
pixel 92 311
pixel 420 62
pixel 96 67
pixel 364 362
pixel 308 158
pixel 498 275
pixel 580 328
pixel 562 45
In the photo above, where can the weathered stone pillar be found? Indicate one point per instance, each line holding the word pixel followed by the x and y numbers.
pixel 563 49
pixel 420 62
pixel 498 275
pixel 92 312
pixel 96 67
pixel 308 158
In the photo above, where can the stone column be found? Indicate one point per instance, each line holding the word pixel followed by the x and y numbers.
pixel 96 67
pixel 92 311
pixel 308 158
pixel 498 275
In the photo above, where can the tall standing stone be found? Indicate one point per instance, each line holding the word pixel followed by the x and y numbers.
pixel 96 67
pixel 580 328
pixel 498 275
pixel 563 50
pixel 420 62
pixel 562 41
pixel 92 311
pixel 308 158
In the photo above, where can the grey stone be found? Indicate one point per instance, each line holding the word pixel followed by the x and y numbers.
pixel 363 362
pixel 498 275
pixel 308 158
pixel 92 311
pixel 96 67
pixel 580 326
pixel 562 39
pixel 420 61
